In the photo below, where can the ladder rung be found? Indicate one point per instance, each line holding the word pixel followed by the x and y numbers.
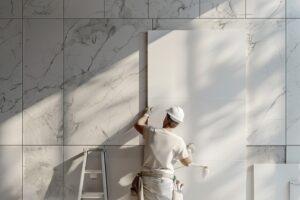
pixel 92 195
pixel 93 171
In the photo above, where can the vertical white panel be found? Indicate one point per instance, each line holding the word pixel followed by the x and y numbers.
pixel 271 182
pixel 204 72
pixel 295 190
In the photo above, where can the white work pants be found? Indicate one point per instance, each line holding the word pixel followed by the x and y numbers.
pixel 157 188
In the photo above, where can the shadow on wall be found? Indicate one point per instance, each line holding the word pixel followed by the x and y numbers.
pixel 122 165
pixel 100 40
pixel 93 47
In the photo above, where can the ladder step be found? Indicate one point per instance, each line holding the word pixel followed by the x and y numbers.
pixel 92 195
pixel 93 171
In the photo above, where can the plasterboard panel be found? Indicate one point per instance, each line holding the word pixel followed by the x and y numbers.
pixel 204 72
pixel 295 190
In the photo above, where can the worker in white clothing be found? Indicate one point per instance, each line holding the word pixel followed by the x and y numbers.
pixel 162 148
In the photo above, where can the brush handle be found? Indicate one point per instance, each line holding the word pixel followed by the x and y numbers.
pixel 195 165
pixel 198 165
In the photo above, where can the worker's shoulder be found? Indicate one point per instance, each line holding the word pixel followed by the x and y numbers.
pixel 173 135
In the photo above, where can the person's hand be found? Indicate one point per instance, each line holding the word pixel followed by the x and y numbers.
pixel 147 111
pixel 191 148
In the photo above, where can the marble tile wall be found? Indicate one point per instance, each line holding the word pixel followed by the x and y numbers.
pixel 52 99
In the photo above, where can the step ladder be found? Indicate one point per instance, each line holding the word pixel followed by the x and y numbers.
pixel 101 172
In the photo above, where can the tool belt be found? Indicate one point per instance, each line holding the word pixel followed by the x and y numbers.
pixel 158 174
pixel 137 184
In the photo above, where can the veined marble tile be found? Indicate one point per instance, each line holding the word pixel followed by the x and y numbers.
pixel 265 154
pixel 293 82
pixel 293 154
pixel 10 9
pixel 266 83
pixel 293 8
pixel 43 8
pixel 43 172
pixel 84 9
pixel 42 80
pixel 265 9
pixel 11 172
pixel 126 8
pixel 122 164
pixel 222 8
pixel 173 9
pixel 104 84
pixel 11 81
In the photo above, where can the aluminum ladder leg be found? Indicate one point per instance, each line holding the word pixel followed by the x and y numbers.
pixel 93 195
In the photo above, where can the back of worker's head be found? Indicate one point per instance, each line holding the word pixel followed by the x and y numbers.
pixel 175 116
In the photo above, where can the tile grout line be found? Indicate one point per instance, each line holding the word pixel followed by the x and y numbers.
pixel 199 9
pixel 285 37
pixel 104 13
pixel 63 97
pixel 165 18
pixel 151 24
pixel 22 36
pixel 269 145
pixel 245 9
pixel 70 145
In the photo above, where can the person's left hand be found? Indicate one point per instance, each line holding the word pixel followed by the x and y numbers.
pixel 191 148
pixel 148 110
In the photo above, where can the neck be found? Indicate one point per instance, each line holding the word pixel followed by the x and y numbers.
pixel 167 128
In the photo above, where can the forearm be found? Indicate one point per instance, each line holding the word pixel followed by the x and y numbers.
pixel 141 123
pixel 143 120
